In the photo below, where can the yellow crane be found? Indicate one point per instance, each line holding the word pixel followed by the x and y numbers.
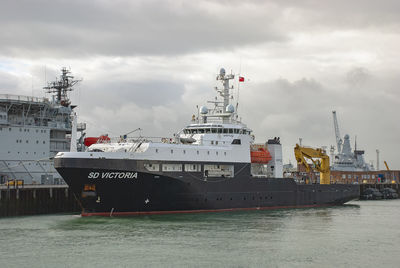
pixel 387 167
pixel 301 153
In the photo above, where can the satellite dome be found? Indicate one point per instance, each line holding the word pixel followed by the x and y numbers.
pixel 230 108
pixel 203 110
pixel 222 71
pixel 346 136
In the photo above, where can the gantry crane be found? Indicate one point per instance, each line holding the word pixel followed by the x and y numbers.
pixel 301 153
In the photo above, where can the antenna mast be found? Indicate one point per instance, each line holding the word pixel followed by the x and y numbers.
pixel 62 86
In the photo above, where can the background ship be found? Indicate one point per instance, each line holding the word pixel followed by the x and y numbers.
pixel 33 130
pixel 345 159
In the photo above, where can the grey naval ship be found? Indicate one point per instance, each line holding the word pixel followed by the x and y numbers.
pixel 33 130
pixel 212 164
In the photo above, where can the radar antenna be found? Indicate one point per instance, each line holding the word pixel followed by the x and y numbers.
pixel 62 86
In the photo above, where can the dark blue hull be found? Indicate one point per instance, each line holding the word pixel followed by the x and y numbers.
pixel 121 187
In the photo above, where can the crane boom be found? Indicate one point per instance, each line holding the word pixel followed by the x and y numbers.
pixel 301 153
pixel 387 167
pixel 339 140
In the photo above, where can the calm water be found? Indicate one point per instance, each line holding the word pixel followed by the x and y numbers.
pixel 361 234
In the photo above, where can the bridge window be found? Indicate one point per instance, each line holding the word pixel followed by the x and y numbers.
pixel 220 130
pixel 213 130
pixel 230 130
pixel 225 130
pixel 236 131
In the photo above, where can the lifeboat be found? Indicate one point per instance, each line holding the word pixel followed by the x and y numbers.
pixel 92 140
pixel 260 156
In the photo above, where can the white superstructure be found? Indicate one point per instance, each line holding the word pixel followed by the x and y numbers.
pixel 32 131
pixel 215 136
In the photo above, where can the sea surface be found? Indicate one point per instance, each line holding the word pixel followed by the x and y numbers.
pixel 359 234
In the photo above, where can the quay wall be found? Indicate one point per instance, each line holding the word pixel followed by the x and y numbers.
pixel 37 199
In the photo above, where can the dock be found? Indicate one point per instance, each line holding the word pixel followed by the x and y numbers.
pixel 36 199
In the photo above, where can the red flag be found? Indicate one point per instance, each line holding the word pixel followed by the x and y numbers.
pixel 241 79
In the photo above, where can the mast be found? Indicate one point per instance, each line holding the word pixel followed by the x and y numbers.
pixel 62 86
pixel 225 91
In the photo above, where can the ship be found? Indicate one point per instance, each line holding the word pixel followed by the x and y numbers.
pixel 212 164
pixel 345 159
pixel 33 130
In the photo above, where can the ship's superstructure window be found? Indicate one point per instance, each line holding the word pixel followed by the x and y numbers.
pixel 218 171
pixel 171 167
pixel 152 167
pixel 192 167
pixel 156 150
pixel 236 141
pixel 172 151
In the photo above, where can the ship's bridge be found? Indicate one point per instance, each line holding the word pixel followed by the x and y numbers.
pixel 217 129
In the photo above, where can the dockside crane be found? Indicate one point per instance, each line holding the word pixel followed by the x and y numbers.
pixel 387 167
pixel 301 153
pixel 339 140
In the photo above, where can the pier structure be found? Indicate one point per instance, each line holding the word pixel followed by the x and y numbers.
pixel 19 200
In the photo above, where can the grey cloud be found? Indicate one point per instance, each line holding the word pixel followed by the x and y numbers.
pixel 76 28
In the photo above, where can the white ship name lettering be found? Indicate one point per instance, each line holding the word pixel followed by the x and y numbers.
pixel 113 175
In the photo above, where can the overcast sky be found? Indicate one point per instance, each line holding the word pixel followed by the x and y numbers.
pixel 149 63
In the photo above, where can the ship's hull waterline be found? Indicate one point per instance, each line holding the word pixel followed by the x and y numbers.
pixel 119 187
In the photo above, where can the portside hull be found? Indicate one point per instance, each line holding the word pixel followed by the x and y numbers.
pixel 121 187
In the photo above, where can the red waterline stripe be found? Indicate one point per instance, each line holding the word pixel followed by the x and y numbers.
pixel 138 213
